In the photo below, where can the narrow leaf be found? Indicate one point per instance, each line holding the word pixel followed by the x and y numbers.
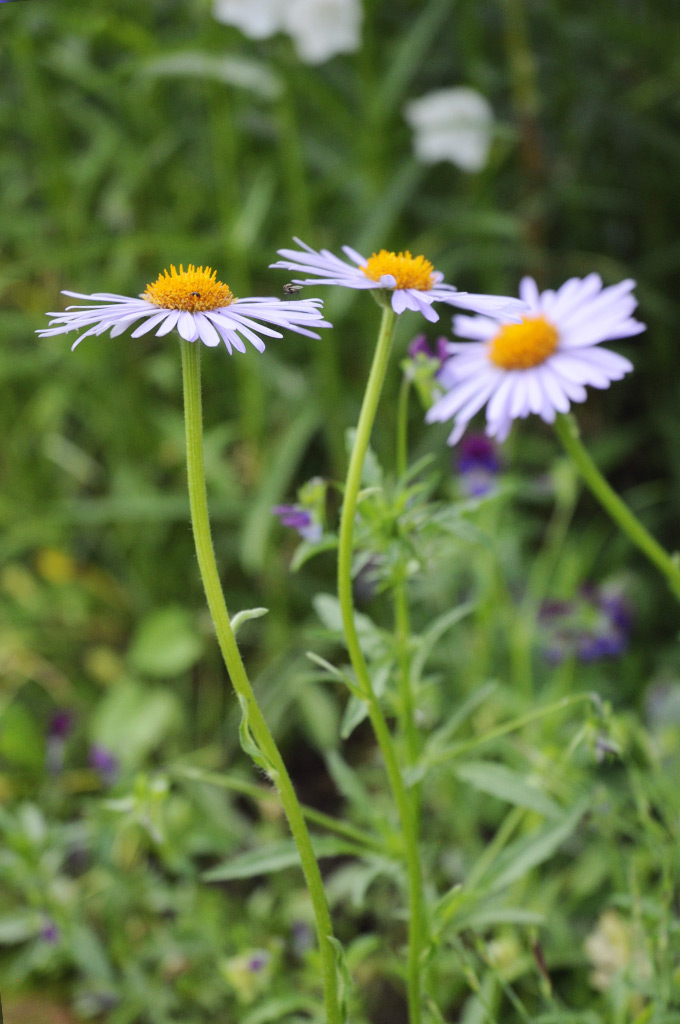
pixel 530 851
pixel 507 785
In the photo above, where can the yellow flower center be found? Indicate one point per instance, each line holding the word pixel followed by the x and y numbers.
pixel 408 271
pixel 193 290
pixel 521 346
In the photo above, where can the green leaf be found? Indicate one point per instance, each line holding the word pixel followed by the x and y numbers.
pixel 249 744
pixel 166 644
pixel 21 742
pixel 465 711
pixel 348 783
pixel 90 953
pixel 426 642
pixel 279 1007
pixel 356 709
pixel 132 720
pixel 19 927
pixel 373 641
pixel 530 851
pixel 485 917
pixel 241 72
pixel 275 857
pixel 344 978
pixel 245 616
pixel 333 672
pixel 507 785
pixel 305 551
pixel 319 710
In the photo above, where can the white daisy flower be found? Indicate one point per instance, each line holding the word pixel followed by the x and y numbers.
pixel 413 281
pixel 194 303
pixel 540 365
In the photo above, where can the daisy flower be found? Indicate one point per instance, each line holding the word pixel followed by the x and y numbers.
pixel 412 280
pixel 194 303
pixel 540 365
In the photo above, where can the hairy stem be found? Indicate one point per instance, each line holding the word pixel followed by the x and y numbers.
pixel 568 433
pixel 191 370
pixel 402 798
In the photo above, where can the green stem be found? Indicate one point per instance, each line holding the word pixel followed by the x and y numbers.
pixel 191 370
pixel 402 425
pixel 409 731
pixel 402 799
pixel 568 433
pixel 400 599
pixel 402 628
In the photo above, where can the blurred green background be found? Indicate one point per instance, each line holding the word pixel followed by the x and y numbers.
pixel 140 135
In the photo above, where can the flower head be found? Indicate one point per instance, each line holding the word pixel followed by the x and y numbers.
pixel 307 515
pixel 298 518
pixel 478 465
pixel 194 303
pixel 319 28
pixel 412 280
pixel 61 724
pixel 322 28
pixel 420 347
pixel 596 625
pixel 257 19
pixel 451 124
pixel 104 762
pixel 540 365
pixel 49 932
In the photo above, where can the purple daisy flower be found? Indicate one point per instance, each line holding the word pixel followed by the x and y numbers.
pixel 194 303
pixel 540 365
pixel 412 280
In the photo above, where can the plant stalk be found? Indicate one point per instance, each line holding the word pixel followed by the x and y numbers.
pixel 191 372
pixel 402 799
pixel 567 430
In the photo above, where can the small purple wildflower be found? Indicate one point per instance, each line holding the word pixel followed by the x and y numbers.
pixel 478 465
pixel 61 724
pixel 595 626
pixel 58 731
pixel 104 763
pixel 420 347
pixel 300 519
pixel 259 960
pixel 50 933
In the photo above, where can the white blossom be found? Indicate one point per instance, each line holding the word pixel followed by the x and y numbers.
pixel 451 124
pixel 319 28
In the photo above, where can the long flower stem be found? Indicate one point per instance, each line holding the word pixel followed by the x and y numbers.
pixel 568 433
pixel 383 736
pixel 402 623
pixel 402 425
pixel 191 370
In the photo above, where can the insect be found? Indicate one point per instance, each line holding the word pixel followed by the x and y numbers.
pixel 292 289
pixel 195 295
